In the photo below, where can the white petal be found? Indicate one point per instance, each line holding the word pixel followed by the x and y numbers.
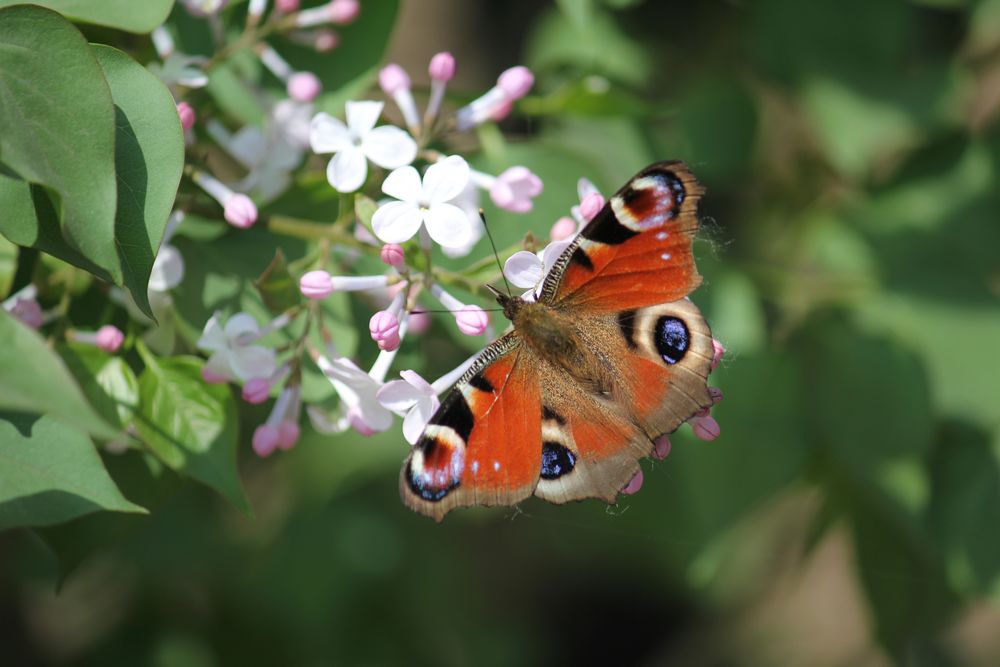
pixel 396 221
pixel 446 179
pixel 168 269
pixel 249 146
pixel 584 188
pixel 327 134
pixel 523 269
pixel 252 361
pixel 416 420
pixel 375 416
pixel 552 252
pixel 404 184
pixel 414 379
pixel 389 147
pixel 213 338
pixel 362 116
pixel 218 364
pixel 448 225
pixel 398 396
pixel 241 326
pixel 347 170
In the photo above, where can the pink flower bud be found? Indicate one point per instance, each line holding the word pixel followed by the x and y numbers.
pixel 304 86
pixel 316 285
pixel 265 440
pixel 392 254
pixel 356 421
pixel 325 41
pixel 288 434
pixel 186 113
pixel 384 329
pixel 109 338
pixel 29 312
pixel 634 484
pixel 442 67
pixel 661 447
pixel 393 78
pixel 718 350
pixel 515 188
pixel 256 390
pixel 240 211
pixel 705 428
pixel 472 320
pixel 211 378
pixel 715 393
pixel 286 6
pixel 591 206
pixel 516 82
pixel 344 11
pixel 563 229
pixel 501 110
pixel 418 322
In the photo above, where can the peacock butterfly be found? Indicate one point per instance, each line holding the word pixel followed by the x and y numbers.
pixel 610 355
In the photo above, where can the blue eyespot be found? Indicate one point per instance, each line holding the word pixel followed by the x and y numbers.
pixel 672 339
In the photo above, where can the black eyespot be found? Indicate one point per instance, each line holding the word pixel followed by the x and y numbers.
pixel 455 413
pixel 556 460
pixel 421 486
pixel 440 469
pixel 672 339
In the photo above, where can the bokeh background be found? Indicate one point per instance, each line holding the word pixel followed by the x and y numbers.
pixel 849 514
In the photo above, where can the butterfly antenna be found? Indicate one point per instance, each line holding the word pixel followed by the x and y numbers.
pixel 482 216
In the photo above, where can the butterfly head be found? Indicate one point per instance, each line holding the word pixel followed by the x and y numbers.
pixel 511 304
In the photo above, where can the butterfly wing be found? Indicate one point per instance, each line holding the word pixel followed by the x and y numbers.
pixel 660 357
pixel 482 446
pixel 637 250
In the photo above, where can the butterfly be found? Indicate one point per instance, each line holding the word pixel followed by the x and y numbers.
pixel 611 355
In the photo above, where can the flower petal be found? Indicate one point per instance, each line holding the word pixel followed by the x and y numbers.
pixel 396 221
pixel 213 338
pixel 416 420
pixel 404 184
pixel 448 225
pixel 415 380
pixel 241 329
pixel 252 361
pixel 218 365
pixel 168 269
pixel 328 134
pixel 398 396
pixel 347 170
pixel 362 116
pixel 552 252
pixel 523 269
pixel 389 147
pixel 446 179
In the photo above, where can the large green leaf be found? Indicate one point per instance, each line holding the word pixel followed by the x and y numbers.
pixel 190 424
pixel 128 15
pixel 57 129
pixel 107 381
pixel 50 473
pixel 149 158
pixel 35 380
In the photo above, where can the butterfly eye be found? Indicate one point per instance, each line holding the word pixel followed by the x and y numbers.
pixel 556 460
pixel 672 339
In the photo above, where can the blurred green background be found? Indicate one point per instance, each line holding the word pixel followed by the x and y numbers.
pixel 849 514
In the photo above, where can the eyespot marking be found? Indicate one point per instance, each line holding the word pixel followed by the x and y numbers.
pixel 580 257
pixel 672 339
pixel 556 460
pixel 626 324
pixel 457 415
pixel 435 467
pixel 550 414
pixel 480 382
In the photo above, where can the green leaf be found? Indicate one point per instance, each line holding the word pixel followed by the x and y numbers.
pixel 35 380
pixel 140 17
pixel 149 158
pixel 107 381
pixel 50 473
pixel 189 424
pixel 278 289
pixel 57 129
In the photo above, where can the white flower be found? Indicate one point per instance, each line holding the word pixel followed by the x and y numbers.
pixel 357 142
pixel 528 269
pixel 181 69
pixel 414 398
pixel 357 390
pixel 233 354
pixel 168 269
pixel 468 201
pixel 270 156
pixel 425 203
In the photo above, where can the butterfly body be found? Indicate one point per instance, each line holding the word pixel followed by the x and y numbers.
pixel 611 355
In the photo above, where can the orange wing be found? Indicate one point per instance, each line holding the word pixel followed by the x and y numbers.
pixel 483 446
pixel 637 251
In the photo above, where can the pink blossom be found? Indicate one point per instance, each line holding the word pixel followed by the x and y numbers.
pixel 384 329
pixel 392 78
pixel 304 86
pixel 514 189
pixel 661 447
pixel 212 378
pixel 442 67
pixel 109 338
pixel 240 211
pixel 591 205
pixel 705 428
pixel 392 254
pixel 344 11
pixel 563 229
pixel 718 350
pixel 634 484
pixel 256 390
pixel 472 320
pixel 516 82
pixel 286 6
pixel 187 115
pixel 316 285
pixel 265 440
pixel 288 434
